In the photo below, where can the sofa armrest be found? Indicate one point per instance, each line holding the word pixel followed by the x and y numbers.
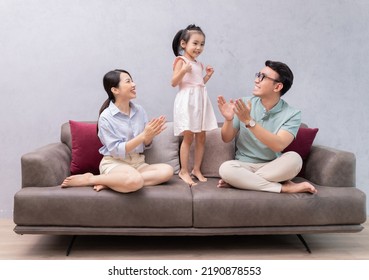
pixel 330 167
pixel 46 166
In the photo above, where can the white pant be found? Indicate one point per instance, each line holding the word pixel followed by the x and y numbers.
pixel 261 176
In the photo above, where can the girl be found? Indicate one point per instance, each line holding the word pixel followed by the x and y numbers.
pixel 193 112
pixel 124 132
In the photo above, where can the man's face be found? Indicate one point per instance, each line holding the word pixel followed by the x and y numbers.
pixel 266 83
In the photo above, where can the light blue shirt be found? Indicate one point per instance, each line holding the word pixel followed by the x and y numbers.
pixel 280 117
pixel 116 129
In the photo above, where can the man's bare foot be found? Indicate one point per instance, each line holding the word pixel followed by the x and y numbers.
pixel 223 184
pixel 77 180
pixel 198 175
pixel 291 187
pixel 187 178
pixel 100 187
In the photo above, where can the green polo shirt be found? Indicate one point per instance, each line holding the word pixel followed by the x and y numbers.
pixel 280 117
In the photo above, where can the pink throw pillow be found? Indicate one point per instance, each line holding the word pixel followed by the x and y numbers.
pixel 303 142
pixel 85 148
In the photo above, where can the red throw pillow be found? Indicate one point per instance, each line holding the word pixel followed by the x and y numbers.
pixel 85 148
pixel 303 142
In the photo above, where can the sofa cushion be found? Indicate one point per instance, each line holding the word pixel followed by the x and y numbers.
pixel 303 142
pixel 166 205
pixel 164 149
pixel 230 207
pixel 216 152
pixel 85 148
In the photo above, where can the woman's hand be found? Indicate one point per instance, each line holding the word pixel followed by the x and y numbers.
pixel 226 109
pixel 153 128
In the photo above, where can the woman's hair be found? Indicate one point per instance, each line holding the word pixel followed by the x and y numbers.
pixel 284 72
pixel 184 34
pixel 110 80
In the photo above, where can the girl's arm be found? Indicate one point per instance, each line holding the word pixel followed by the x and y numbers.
pixel 180 69
pixel 209 72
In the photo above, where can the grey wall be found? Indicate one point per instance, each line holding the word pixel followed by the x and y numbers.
pixel 53 55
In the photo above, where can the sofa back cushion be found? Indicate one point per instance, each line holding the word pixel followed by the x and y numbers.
pixel 164 149
pixel 303 142
pixel 216 152
pixel 82 140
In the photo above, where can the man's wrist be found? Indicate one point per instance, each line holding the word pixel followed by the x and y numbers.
pixel 250 123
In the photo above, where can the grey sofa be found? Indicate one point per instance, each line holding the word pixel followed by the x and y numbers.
pixel 41 206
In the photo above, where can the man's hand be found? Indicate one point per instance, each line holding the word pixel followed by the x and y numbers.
pixel 226 109
pixel 242 110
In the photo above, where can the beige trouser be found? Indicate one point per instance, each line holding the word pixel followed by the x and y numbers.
pixel 261 176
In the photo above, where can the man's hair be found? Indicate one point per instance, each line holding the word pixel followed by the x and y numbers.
pixel 284 72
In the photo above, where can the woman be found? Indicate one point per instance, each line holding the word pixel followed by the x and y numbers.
pixel 125 133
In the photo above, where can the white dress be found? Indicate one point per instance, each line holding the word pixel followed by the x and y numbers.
pixel 192 107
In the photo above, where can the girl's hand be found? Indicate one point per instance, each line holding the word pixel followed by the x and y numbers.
pixel 209 71
pixel 186 67
pixel 226 109
pixel 153 128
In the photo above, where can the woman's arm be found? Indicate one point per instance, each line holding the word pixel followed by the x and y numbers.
pixel 153 128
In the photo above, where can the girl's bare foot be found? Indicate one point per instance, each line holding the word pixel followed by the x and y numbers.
pixel 223 184
pixel 291 187
pixel 100 187
pixel 77 180
pixel 187 178
pixel 198 175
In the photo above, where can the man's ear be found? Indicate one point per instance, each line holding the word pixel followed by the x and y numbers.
pixel 278 87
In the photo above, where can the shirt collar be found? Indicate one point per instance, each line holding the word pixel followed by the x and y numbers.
pixel 115 110
pixel 277 107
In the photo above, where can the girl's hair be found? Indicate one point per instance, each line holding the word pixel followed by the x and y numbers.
pixel 110 80
pixel 184 34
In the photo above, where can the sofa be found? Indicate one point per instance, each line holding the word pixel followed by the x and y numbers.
pixel 41 206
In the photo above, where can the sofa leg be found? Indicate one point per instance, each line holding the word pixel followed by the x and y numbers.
pixel 304 242
pixel 71 244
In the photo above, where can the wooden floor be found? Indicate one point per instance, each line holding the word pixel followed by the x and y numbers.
pixel 332 246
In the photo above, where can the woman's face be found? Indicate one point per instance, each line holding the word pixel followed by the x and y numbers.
pixel 126 87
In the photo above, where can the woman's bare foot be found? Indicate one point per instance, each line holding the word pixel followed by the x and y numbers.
pixel 187 178
pixel 77 180
pixel 100 187
pixel 223 184
pixel 291 187
pixel 198 175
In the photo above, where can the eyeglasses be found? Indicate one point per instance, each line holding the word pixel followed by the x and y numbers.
pixel 261 77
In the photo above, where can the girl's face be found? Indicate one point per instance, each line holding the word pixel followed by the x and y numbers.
pixel 126 88
pixel 194 47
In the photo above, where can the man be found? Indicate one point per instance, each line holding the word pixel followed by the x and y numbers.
pixel 263 126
